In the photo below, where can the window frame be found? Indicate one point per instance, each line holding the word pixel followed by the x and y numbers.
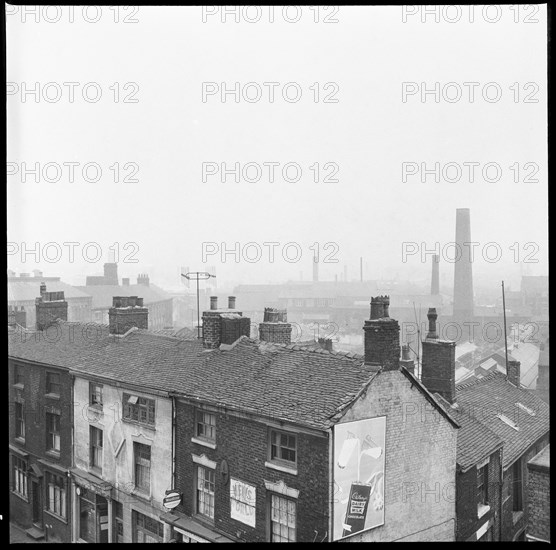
pixel 58 498
pixel 287 500
pixel 19 376
pixel 94 447
pixel 132 412
pixel 144 520
pixel 50 383
pixel 52 433
pixel 19 416
pixel 279 460
pixel 93 394
pixel 211 480
pixel 138 449
pixel 201 425
pixel 20 477
pixel 482 485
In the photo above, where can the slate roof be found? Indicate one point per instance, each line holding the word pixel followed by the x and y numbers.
pixel 484 400
pixel 290 383
pixel 103 294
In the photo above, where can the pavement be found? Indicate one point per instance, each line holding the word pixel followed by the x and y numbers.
pixel 18 535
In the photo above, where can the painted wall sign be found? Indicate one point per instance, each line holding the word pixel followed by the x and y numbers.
pixel 243 501
pixel 171 500
pixel 359 476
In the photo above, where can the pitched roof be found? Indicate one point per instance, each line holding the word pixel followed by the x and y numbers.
pixel 25 291
pixel 103 294
pixel 487 400
pixel 290 383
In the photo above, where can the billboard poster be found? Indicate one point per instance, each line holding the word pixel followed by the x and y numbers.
pixel 358 499
pixel 243 501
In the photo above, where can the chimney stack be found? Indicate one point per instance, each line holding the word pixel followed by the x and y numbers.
pixel 223 326
pixel 513 373
pixel 432 316
pixel 111 274
pixel 275 327
pixel 127 312
pixel 326 343
pixel 50 307
pixel 438 368
pixel 463 269
pixel 406 360
pixel 435 282
pixel 143 279
pixel 315 269
pixel 382 336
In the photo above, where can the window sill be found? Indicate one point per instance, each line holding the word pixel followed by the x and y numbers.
pixel 95 471
pixel 53 454
pixel 19 440
pixel 142 495
pixel 482 509
pixel 18 495
pixel 205 520
pixel 280 468
pixel 19 386
pixel 52 396
pixel 203 442
pixel 56 516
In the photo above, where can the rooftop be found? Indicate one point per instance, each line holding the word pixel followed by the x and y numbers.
pixel 542 460
pixel 27 291
pixel 103 294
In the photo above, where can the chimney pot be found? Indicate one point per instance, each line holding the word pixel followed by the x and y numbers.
pixel 231 302
pixel 432 316
pixel 214 302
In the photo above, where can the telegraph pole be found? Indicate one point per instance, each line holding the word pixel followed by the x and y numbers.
pixel 198 276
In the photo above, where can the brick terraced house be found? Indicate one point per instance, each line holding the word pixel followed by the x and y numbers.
pixel 502 426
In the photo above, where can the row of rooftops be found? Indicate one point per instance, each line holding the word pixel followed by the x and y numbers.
pixel 298 384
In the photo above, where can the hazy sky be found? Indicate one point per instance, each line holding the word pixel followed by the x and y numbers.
pixel 367 134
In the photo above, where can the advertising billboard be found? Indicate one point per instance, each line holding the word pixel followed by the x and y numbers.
pixel 358 499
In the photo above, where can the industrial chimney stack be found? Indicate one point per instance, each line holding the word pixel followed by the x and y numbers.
pixel 463 270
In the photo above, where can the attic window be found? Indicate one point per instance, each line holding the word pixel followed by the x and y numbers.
pixel 526 409
pixel 509 422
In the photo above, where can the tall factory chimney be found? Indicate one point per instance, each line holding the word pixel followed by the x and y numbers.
pixel 361 268
pixel 463 270
pixel 315 269
pixel 435 285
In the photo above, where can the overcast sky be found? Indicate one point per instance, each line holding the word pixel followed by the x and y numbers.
pixel 367 134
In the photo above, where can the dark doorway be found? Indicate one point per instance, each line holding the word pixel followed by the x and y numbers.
pixel 37 503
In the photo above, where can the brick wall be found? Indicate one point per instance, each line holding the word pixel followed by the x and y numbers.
pixel 382 342
pixel 539 503
pixel 438 368
pixel 514 523
pixel 243 443
pixel 468 521
pixel 36 405
pixel 420 467
pixel 278 333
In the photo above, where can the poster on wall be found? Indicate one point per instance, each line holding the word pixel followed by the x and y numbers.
pixel 243 501
pixel 358 476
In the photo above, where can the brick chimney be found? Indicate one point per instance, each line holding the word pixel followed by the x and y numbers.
pixel 111 274
pixel 223 326
pixel 438 369
pixel 513 373
pixel 275 327
pixel 406 360
pixel 50 307
pixel 382 336
pixel 326 343
pixel 127 312
pixel 143 279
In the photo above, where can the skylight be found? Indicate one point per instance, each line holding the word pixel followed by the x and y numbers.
pixel 509 422
pixel 526 409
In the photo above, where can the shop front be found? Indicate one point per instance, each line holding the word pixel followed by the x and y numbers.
pixel 93 509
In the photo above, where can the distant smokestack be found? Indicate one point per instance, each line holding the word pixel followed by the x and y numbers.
pixel 315 269
pixel 361 269
pixel 435 283
pixel 463 270
pixel 111 274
